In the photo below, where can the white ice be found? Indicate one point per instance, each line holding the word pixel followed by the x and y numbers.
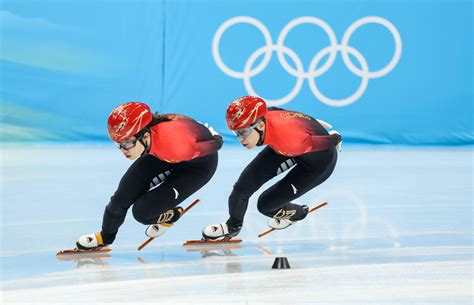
pixel 397 230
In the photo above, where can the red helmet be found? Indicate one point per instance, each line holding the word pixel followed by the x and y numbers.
pixel 245 111
pixel 127 120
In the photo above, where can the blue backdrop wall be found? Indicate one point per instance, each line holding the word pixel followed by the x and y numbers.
pixel 388 72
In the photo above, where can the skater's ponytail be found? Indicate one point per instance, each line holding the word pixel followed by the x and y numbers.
pixel 158 118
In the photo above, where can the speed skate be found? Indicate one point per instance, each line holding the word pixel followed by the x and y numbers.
pixel 79 251
pixel 204 241
pixel 310 210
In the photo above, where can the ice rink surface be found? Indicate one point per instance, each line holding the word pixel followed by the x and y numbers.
pixel 397 230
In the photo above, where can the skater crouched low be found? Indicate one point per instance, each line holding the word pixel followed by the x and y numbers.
pixel 295 142
pixel 174 157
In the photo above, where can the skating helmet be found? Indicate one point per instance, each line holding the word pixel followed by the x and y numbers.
pixel 127 120
pixel 245 111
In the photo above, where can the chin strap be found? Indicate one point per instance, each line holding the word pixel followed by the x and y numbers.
pixel 147 147
pixel 261 136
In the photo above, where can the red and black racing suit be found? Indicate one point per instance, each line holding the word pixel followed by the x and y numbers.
pixel 294 141
pixel 182 158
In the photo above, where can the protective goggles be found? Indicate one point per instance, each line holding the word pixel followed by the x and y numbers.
pixel 128 144
pixel 131 143
pixel 245 132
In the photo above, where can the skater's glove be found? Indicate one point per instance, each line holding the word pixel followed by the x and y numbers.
pixel 212 130
pixel 215 134
pixel 339 145
pixel 324 124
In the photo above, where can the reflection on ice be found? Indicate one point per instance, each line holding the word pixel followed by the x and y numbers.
pixel 397 230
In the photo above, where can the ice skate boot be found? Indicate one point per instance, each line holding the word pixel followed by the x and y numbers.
pixel 165 221
pixel 90 242
pixel 283 219
pixel 219 231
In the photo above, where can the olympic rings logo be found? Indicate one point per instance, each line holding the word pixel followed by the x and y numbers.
pixel 313 70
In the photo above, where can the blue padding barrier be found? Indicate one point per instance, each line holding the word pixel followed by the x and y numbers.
pixel 381 72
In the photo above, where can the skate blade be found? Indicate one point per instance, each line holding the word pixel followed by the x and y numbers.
pixel 212 241
pixel 310 211
pixel 146 242
pixel 78 251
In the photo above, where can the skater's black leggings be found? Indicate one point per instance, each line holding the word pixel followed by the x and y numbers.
pixel 175 182
pixel 306 172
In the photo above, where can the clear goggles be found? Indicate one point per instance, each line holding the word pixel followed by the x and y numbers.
pixel 128 144
pixel 245 132
pixel 131 143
